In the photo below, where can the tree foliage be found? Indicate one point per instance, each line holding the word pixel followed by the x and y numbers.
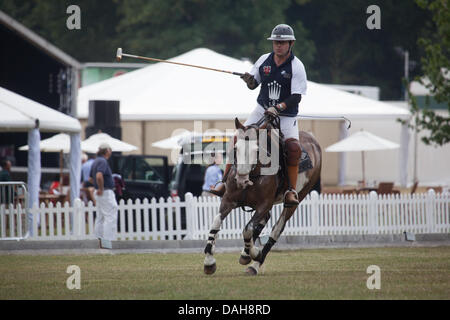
pixel 169 27
pixel 347 52
pixel 332 38
pixel 436 74
pixel 94 42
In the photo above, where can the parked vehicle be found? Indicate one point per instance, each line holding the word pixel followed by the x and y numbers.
pixel 189 172
pixel 144 176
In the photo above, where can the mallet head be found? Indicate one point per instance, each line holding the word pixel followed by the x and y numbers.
pixel 119 54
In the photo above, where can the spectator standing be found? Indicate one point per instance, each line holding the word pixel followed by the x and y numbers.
pixel 213 175
pixel 106 220
pixel 87 187
pixel 86 170
pixel 5 176
pixel 5 172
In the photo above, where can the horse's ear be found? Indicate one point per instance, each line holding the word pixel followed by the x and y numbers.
pixel 238 124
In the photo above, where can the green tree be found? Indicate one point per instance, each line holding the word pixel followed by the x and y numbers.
pixel 165 28
pixel 436 74
pixel 160 28
pixel 347 52
pixel 95 41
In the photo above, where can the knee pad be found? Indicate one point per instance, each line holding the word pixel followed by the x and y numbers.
pixel 294 151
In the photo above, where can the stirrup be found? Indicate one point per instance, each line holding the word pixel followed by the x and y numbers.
pixel 293 203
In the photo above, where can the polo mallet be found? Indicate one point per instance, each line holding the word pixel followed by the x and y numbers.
pixel 120 54
pixel 347 121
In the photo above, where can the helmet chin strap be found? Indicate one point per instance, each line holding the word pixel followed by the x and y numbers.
pixel 291 44
pixel 289 51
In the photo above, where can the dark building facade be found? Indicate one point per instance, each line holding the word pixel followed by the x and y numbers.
pixel 34 68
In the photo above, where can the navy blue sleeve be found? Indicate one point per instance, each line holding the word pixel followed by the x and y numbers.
pixel 293 100
pixel 102 167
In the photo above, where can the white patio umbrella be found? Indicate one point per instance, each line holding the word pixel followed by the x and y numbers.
pixel 58 143
pixel 177 141
pixel 91 144
pixel 362 141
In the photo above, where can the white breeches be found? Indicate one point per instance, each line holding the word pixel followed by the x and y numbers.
pixel 288 125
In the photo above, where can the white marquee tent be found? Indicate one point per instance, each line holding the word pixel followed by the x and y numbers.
pixel 166 91
pixel 22 114
pixel 169 92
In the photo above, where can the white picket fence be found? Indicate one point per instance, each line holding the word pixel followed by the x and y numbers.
pixel 331 214
pixel 172 219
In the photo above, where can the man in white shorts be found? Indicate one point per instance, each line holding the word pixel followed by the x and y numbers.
pixel 283 82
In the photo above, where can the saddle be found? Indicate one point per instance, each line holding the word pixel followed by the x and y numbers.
pixel 305 161
pixel 304 164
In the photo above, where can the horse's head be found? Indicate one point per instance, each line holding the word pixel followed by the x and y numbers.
pixel 246 152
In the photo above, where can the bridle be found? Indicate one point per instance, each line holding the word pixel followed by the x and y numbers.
pixel 274 121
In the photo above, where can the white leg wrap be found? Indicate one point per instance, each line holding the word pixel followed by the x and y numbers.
pixel 247 234
pixel 243 253
pixel 256 265
pixel 276 231
pixel 254 251
pixel 217 222
pixel 209 260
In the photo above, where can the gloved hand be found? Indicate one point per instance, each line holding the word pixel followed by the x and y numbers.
pixel 250 80
pixel 273 111
pixel 246 77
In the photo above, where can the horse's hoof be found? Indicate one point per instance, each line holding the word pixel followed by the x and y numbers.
pixel 210 269
pixel 245 260
pixel 251 271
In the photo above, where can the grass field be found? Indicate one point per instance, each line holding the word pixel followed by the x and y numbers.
pixel 406 273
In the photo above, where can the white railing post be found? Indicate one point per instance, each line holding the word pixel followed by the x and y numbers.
pixel 314 213
pixel 372 211
pixel 430 207
pixel 77 219
pixel 34 219
pixel 190 216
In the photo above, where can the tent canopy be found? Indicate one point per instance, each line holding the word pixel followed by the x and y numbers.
pixel 20 114
pixel 166 91
pixel 57 143
pixel 92 143
pixel 177 141
pixel 362 141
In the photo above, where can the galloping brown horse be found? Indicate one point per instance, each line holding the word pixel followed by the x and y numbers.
pixel 247 186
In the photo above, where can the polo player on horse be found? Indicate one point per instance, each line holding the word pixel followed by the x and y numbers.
pixel 282 78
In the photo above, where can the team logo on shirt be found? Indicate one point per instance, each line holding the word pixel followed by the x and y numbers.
pixel 274 92
pixel 266 70
pixel 285 74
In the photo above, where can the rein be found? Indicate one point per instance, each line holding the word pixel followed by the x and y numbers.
pixel 275 122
